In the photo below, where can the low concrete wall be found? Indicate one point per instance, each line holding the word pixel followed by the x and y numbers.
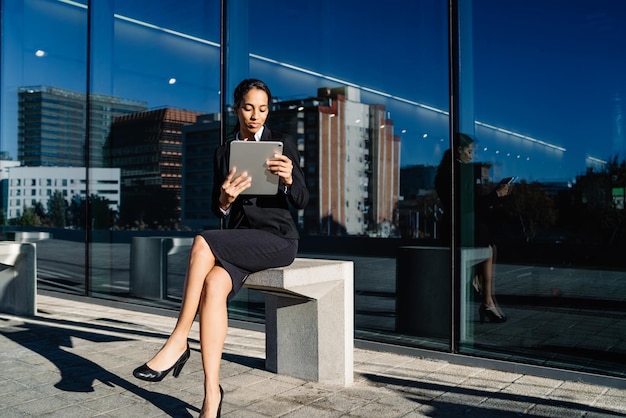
pixel 18 278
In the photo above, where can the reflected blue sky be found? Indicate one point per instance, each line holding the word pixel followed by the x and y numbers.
pixel 551 71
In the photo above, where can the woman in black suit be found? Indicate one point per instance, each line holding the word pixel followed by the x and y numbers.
pixel 478 216
pixel 261 234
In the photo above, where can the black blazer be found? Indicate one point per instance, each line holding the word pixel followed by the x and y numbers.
pixel 270 213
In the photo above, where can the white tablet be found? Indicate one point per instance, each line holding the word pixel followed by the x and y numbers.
pixel 251 156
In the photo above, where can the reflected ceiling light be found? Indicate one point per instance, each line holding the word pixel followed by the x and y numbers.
pixel 404 131
pixel 301 108
pixel 172 80
pixel 527 138
pixel 40 53
pixel 382 126
pixel 485 149
pixel 357 121
pixel 596 160
pixel 171 32
pixel 498 152
pixel 74 3
pixel 425 136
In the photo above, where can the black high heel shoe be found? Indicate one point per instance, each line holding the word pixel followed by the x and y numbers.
pixel 492 315
pixel 219 408
pixel 146 373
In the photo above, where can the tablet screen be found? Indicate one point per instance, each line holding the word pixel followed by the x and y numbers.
pixel 251 156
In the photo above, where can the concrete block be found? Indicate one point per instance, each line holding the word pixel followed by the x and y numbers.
pixel 148 264
pixel 309 319
pixel 18 278
pixel 31 236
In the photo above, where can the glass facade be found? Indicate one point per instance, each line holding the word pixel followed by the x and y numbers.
pixel 134 97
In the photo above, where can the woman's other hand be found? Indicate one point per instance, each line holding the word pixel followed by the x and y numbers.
pixel 233 186
pixel 282 166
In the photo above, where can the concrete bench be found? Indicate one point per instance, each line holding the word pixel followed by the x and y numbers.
pixel 18 278
pixel 30 236
pixel 309 319
pixel 309 308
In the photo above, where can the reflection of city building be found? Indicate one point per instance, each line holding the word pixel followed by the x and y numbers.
pixel 147 146
pixel 5 166
pixel 418 209
pixel 351 160
pixel 27 186
pixel 52 125
pixel 199 143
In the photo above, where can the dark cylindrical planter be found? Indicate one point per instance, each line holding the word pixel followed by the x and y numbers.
pixel 423 291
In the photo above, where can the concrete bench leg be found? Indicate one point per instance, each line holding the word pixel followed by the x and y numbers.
pixel 307 338
pixel 18 278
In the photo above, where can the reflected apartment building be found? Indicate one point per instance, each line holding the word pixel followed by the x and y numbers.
pixel 51 148
pixel 147 147
pixel 52 121
pixel 352 162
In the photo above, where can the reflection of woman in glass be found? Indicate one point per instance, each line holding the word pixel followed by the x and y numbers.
pixel 261 235
pixel 463 155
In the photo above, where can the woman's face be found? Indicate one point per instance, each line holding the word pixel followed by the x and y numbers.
pixel 252 112
pixel 466 154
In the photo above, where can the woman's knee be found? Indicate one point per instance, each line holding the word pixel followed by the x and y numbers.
pixel 200 247
pixel 217 283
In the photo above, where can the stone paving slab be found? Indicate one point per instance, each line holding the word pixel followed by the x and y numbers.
pixel 75 359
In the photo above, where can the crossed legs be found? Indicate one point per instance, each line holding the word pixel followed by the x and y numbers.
pixel 206 288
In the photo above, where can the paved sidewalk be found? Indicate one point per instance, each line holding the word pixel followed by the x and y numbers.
pixel 75 359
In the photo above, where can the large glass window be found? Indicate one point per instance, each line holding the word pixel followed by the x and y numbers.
pixel 43 123
pixel 110 112
pixel 364 91
pixel 154 72
pixel 543 98
pixel 95 122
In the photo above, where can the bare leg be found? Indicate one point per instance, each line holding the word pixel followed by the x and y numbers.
pixel 487 275
pixel 487 282
pixel 213 329
pixel 201 261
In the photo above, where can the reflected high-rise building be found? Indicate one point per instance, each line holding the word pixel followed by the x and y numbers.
pixel 52 125
pixel 147 146
pixel 199 143
pixel 351 161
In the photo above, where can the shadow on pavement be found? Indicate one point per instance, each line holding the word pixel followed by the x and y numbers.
pixel 78 374
pixel 414 389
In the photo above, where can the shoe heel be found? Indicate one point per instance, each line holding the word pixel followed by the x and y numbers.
pixel 181 362
pixel 177 369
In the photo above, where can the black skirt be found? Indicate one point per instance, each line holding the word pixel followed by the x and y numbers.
pixel 245 251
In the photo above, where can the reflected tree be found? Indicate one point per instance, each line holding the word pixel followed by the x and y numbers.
pixel 599 215
pixel 533 207
pixel 57 210
pixel 28 218
pixel 102 216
